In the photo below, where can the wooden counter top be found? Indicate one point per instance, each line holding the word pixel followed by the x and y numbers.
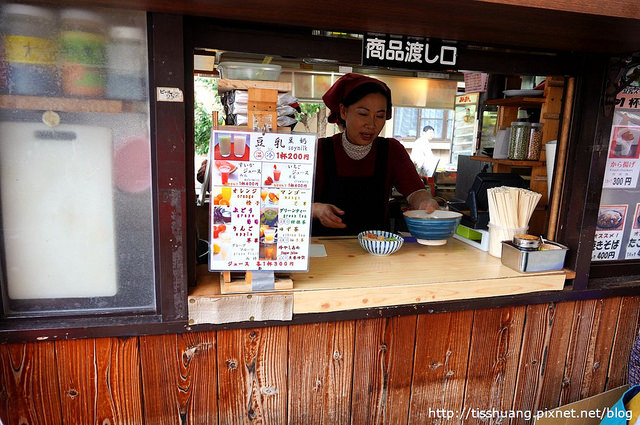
pixel 350 278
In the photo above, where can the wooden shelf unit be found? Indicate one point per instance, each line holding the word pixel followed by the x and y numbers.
pixel 225 85
pixel 71 104
pixel 550 110
pixel 262 98
pixel 508 162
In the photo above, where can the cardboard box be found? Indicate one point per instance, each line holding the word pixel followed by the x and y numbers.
pixel 589 411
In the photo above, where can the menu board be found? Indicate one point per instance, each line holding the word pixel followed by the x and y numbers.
pixel 617 227
pixel 261 196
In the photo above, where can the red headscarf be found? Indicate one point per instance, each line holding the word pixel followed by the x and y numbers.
pixel 345 85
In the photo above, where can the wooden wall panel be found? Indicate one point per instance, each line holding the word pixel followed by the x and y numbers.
pixel 4 384
pixel 589 348
pixel 30 390
pixel 383 364
pixel 118 390
pixel 321 371
pixel 78 380
pixel 625 334
pixel 253 376
pixel 198 361
pixel 493 361
pixel 535 343
pixel 100 381
pixel 409 369
pixel 556 355
pixel 440 365
pixel 179 378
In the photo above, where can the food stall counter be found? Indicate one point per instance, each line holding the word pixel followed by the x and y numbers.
pixel 349 278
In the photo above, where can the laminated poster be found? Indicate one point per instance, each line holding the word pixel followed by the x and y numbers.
pixel 633 246
pixel 623 165
pixel 261 194
pixel 609 232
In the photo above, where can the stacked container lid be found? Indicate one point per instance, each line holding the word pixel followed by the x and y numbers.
pixel 126 63
pixel 82 52
pixel 30 50
pixel 71 53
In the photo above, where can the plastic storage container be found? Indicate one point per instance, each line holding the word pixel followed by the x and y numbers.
pixel 535 142
pixel 498 234
pixel 249 71
pixel 126 61
pixel 519 140
pixel 30 50
pixel 82 53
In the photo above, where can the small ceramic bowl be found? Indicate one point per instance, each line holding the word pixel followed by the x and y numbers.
pixel 434 228
pixel 386 243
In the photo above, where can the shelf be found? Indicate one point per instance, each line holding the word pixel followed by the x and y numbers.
pixel 67 104
pixel 225 85
pixel 511 162
pixel 284 130
pixel 517 101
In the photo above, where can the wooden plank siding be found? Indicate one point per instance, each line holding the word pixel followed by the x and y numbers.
pixel 321 372
pixel 412 369
pixel 383 365
pixel 252 376
pixel 440 371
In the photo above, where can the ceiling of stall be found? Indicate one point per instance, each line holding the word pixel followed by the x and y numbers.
pixel 568 25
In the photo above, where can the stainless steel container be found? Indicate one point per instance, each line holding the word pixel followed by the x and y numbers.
pixel 526 242
pixel 534 261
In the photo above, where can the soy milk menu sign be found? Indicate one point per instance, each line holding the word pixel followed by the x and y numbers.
pixel 260 200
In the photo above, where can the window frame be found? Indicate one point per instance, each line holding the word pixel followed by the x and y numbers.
pixel 164 38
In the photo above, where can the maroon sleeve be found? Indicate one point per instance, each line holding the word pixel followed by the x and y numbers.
pixel 319 173
pixel 403 173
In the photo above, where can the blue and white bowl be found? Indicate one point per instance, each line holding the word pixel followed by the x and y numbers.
pixel 433 228
pixel 381 248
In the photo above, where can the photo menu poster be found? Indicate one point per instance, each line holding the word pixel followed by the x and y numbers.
pixel 633 245
pixel 623 165
pixel 261 197
pixel 617 227
pixel 609 232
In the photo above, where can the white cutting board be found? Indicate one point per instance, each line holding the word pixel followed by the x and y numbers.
pixel 57 211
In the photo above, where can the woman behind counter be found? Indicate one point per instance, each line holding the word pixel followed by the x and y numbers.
pixel 356 169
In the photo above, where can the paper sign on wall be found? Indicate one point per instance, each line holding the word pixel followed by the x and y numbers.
pixel 609 232
pixel 623 165
pixel 261 200
pixel 633 245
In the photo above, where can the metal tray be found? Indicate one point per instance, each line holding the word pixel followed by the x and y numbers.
pixel 533 261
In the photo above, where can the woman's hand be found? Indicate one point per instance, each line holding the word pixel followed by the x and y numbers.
pixel 429 205
pixel 422 200
pixel 328 215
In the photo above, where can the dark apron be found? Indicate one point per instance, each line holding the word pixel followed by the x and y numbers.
pixel 364 200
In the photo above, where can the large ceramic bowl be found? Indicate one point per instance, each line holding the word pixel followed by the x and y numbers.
pixel 433 228
pixel 386 243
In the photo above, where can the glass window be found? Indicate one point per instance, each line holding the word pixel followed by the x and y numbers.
pixel 409 122
pixel 617 234
pixel 75 162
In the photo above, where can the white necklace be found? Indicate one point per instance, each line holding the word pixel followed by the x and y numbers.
pixel 355 152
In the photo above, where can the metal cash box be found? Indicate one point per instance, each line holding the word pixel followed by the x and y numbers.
pixel 533 261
